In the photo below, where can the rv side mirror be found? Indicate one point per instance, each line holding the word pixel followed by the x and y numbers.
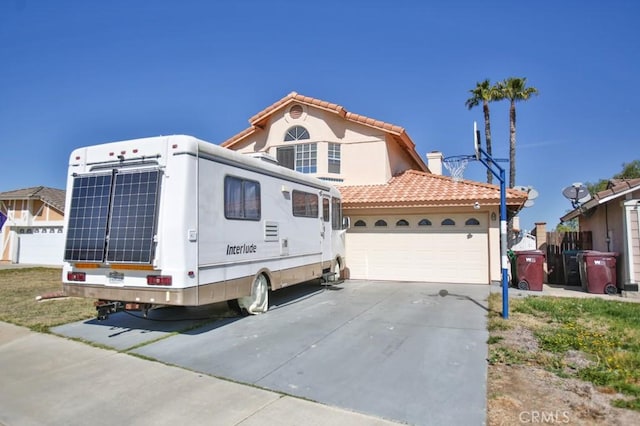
pixel 346 222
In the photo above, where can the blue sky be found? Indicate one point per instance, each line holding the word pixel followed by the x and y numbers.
pixel 81 72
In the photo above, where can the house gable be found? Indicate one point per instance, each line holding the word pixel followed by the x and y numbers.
pixel 26 207
pixel 368 151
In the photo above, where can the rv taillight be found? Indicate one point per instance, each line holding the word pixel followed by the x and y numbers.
pixel 159 279
pixel 76 276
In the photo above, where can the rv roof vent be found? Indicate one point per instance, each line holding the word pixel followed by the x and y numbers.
pixel 264 157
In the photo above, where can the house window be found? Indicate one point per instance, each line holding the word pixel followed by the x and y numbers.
pixel 305 204
pixel 241 199
pixel 296 133
pixel 360 223
pixel 286 156
pixel 402 222
pixel 424 222
pixel 448 222
pixel 306 158
pixel 301 157
pixel 472 222
pixel 334 158
pixel 381 223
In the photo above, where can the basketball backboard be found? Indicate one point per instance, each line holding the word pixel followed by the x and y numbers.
pixel 476 140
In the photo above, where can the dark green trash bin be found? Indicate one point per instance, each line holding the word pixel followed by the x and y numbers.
pixel 571 267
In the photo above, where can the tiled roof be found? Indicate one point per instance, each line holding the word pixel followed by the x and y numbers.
pixel 52 196
pixel 414 188
pixel 260 120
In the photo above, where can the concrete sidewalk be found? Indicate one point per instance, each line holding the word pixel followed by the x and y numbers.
pixel 49 380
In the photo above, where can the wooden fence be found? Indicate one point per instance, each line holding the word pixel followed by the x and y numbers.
pixel 557 244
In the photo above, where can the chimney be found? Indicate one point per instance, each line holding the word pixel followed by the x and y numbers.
pixel 434 162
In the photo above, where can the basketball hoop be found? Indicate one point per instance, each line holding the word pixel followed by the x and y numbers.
pixel 456 165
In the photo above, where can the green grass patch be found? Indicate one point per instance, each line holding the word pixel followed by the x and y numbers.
pixel 494 339
pixel 495 320
pixel 606 332
pixel 18 305
pixel 507 356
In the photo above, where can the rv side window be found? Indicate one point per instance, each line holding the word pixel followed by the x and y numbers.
pixel 336 214
pixel 241 199
pixel 305 204
pixel 325 209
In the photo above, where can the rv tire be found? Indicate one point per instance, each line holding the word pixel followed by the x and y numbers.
pixel 234 305
pixel 258 301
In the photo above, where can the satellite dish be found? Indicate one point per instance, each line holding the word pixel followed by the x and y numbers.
pixel 584 199
pixel 577 194
pixel 532 194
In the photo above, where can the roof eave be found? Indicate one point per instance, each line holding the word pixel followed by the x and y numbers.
pixel 519 204
pixel 595 202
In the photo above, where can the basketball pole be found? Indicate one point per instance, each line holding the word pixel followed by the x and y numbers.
pixel 490 164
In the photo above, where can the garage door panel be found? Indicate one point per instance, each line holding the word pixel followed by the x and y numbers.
pixel 437 257
pixel 42 248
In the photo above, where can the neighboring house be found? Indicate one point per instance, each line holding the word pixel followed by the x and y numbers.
pixel 613 217
pixel 408 222
pixel 32 232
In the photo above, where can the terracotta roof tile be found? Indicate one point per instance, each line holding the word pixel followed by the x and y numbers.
pixel 616 186
pixel 54 197
pixel 374 123
pixel 414 188
pixel 257 119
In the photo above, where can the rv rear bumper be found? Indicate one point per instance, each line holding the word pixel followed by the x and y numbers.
pixel 179 297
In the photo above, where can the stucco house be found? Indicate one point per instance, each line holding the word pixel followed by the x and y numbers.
pixel 409 222
pixel 32 232
pixel 613 217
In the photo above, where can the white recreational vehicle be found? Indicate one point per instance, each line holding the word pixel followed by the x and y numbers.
pixel 174 220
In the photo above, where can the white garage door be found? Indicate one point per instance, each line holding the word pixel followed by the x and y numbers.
pixel 438 250
pixel 41 246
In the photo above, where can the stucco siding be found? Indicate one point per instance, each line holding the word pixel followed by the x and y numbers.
pixel 399 159
pixel 365 163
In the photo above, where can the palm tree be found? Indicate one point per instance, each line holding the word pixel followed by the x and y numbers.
pixel 484 93
pixel 515 89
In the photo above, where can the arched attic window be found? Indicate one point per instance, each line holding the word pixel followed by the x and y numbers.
pixel 472 222
pixel 424 222
pixel 402 222
pixel 301 157
pixel 360 223
pixel 448 222
pixel 296 133
pixel 381 222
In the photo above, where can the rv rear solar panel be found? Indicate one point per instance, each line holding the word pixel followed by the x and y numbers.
pixel 133 217
pixel 113 218
pixel 88 218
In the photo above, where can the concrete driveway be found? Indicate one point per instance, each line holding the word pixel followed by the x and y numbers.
pixel 402 351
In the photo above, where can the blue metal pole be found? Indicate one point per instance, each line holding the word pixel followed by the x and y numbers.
pixel 503 245
pixel 491 164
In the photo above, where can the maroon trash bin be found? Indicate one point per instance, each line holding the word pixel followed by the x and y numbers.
pixel 530 269
pixel 598 271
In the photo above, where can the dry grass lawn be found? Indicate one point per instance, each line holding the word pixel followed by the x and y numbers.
pixel 18 305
